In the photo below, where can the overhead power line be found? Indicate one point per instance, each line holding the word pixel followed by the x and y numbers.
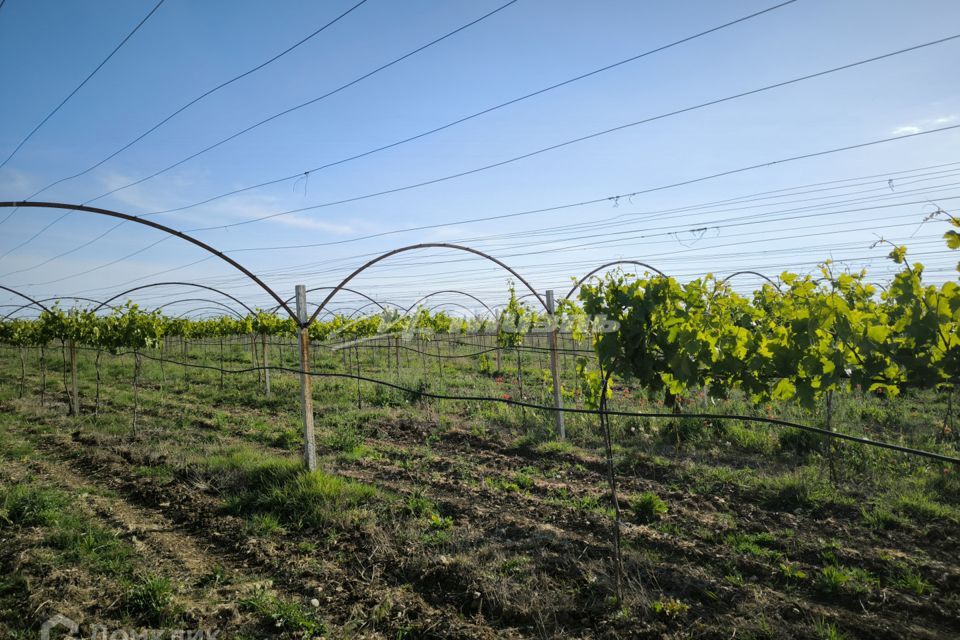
pixel 805 189
pixel 581 138
pixel 200 97
pixel 311 101
pixel 243 131
pixel 480 113
pixel 574 204
pixel 674 185
pixel 881 178
pixel 79 86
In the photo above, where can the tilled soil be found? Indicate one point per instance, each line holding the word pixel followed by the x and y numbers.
pixel 519 561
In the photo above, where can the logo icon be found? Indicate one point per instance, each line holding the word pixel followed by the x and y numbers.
pixel 58 621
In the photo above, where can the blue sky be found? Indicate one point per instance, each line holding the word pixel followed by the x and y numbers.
pixel 186 48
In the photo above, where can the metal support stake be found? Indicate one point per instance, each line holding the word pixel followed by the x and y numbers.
pixel 306 393
pixel 74 391
pixel 554 373
pixel 266 363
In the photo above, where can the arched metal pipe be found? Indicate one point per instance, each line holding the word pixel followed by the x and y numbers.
pixel 160 227
pixel 426 245
pixel 30 304
pixel 354 291
pixel 610 264
pixel 470 312
pixel 775 284
pixel 177 284
pixel 216 311
pixel 354 313
pixel 222 305
pixel 455 291
pixel 25 297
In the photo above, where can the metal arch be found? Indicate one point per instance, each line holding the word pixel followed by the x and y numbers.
pixel 196 309
pixel 425 245
pixel 159 227
pixel 25 297
pixel 433 308
pixel 776 285
pixel 30 304
pixel 354 312
pixel 462 293
pixel 17 309
pixel 610 264
pixel 178 284
pixel 222 305
pixel 347 313
pixel 354 291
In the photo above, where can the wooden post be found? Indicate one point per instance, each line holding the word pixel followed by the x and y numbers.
pixel 74 392
pixel 554 370
pixel 306 392
pixel 266 362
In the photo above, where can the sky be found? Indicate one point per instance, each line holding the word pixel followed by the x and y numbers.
pixel 767 213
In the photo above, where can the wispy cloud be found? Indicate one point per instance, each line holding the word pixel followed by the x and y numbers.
pixel 925 124
pixel 232 209
pixel 300 222
pixel 16 184
pixel 906 130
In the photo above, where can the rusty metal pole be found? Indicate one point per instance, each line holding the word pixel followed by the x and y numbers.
pixel 554 373
pixel 306 392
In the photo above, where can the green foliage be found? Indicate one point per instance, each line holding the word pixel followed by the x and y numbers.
pixel 826 631
pixel 648 507
pixel 151 600
pixel 800 442
pixel 29 505
pixel 801 342
pixel 294 496
pixel 838 580
pixel 90 545
pixel 278 614
pixel 669 607
pixel 913 583
pixel 792 572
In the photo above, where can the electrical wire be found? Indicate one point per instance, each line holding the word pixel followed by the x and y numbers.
pixel 476 114
pixel 76 89
pixel 167 119
pixel 931 455
pixel 687 182
pixel 579 139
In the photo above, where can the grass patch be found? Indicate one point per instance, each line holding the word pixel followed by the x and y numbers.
pixel 880 517
pixel 752 438
pixel 647 507
pixel 90 545
pixel 755 544
pixel 801 489
pixel 277 614
pixel 670 608
pixel 923 507
pixel 792 572
pixel 555 447
pixel 838 580
pixel 150 599
pixel 913 583
pixel 826 631
pixel 282 488
pixel 29 505
pixel 348 443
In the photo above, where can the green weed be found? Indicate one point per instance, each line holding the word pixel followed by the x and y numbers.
pixel 648 507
